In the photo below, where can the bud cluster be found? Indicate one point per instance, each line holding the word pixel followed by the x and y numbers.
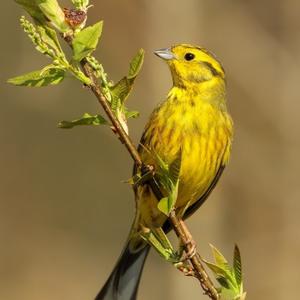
pixel 36 38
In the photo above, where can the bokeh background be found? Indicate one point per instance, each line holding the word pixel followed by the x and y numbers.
pixel 65 212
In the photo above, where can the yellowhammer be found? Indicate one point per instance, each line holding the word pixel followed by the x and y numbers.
pixel 193 120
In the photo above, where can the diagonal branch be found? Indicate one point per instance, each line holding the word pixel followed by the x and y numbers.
pixel 124 137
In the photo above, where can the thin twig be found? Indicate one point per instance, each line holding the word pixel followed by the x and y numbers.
pixel 179 227
pixel 184 234
pixel 124 137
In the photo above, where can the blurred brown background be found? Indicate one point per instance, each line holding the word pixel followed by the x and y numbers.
pixel 64 211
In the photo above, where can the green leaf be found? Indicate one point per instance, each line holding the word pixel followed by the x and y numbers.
pixel 174 193
pixel 237 265
pixel 54 13
pixel 136 64
pixel 86 119
pixel 165 205
pixel 123 87
pixel 227 294
pixel 219 271
pixel 224 277
pixel 169 179
pixel 115 104
pixel 39 78
pixel 160 243
pixel 86 41
pixel 230 278
pixel 219 258
pixel 33 10
pixel 49 36
pixel 131 114
pixel 174 168
pixel 223 282
pixel 80 4
pixel 162 165
pixel 80 75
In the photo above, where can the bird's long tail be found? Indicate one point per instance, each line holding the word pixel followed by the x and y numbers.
pixel 123 282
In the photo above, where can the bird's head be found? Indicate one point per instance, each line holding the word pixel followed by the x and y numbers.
pixel 191 65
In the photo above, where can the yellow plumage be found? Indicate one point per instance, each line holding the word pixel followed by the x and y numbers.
pixel 192 119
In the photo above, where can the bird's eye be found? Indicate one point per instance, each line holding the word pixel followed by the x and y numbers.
pixel 189 56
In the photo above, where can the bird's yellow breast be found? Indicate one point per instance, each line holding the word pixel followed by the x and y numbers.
pixel 201 130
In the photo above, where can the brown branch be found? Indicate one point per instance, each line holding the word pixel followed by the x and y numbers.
pixel 178 225
pixel 199 272
pixel 124 137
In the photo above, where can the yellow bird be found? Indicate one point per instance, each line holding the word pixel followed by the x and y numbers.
pixel 193 120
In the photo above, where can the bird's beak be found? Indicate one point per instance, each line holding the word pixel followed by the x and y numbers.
pixel 165 54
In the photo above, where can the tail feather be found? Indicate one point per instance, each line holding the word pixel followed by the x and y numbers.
pixel 123 282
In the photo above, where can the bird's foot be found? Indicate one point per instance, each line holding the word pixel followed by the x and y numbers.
pixel 144 176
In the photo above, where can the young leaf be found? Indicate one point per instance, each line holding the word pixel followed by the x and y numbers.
pixel 33 10
pixel 115 104
pixel 80 75
pixel 229 277
pixel 162 165
pixel 219 258
pixel 86 41
pixel 174 168
pixel 136 64
pixel 80 4
pixel 122 119
pixel 49 36
pixel 160 243
pixel 86 119
pixel 224 277
pixel 54 13
pixel 169 179
pixel 218 271
pixel 227 293
pixel 123 87
pixel 131 114
pixel 237 265
pixel 39 78
pixel 224 284
pixel 165 205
